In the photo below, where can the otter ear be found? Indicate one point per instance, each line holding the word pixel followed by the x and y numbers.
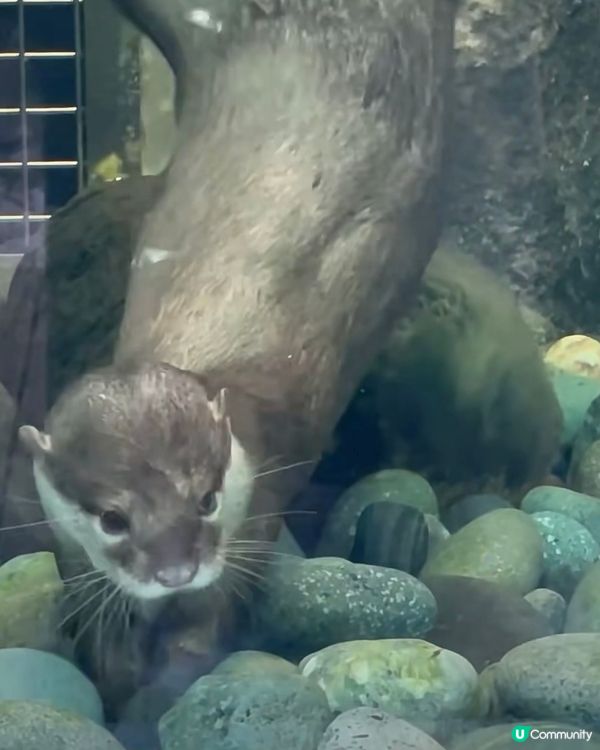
pixel 38 443
pixel 218 405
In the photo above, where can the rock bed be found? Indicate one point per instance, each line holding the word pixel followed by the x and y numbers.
pixel 409 630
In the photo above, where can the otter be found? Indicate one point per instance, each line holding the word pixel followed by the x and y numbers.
pixel 298 215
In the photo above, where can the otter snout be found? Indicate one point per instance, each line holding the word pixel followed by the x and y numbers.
pixel 174 576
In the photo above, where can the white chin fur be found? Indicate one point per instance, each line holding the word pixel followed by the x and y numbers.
pixel 77 532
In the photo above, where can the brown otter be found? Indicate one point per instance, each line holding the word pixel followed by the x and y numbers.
pixel 297 218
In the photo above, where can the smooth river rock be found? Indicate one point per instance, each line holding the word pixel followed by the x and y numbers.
pixel 372 729
pixel 390 485
pixel 30 595
pixel 310 604
pixel 551 605
pixel 35 726
pixel 410 679
pixel 503 546
pixel 569 550
pixel 481 620
pixel 258 663
pixel 575 393
pixel 556 678
pixel 582 508
pixel 584 474
pixel 225 712
pixel 469 508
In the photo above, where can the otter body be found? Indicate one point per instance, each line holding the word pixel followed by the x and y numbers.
pixel 297 218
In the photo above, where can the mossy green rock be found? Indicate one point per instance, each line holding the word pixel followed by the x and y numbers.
pixel 585 473
pixel 583 612
pixel 390 485
pixel 582 508
pixel 35 726
pixel 314 603
pixel 575 394
pixel 30 594
pixel 556 677
pixel 499 737
pixel 232 712
pixel 569 550
pixel 254 663
pixel 503 546
pixel 409 679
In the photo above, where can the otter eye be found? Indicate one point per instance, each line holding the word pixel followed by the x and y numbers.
pixel 208 504
pixel 113 522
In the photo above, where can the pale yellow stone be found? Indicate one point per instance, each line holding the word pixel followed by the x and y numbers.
pixel 576 354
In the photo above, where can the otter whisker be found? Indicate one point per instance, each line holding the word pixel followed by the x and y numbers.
pixel 286 468
pixel 250 576
pixel 20 499
pixel 84 605
pixel 97 611
pixel 79 587
pixel 70 580
pixel 281 514
pixel 36 523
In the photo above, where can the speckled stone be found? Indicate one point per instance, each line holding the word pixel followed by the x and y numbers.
pixel 35 726
pixel 583 612
pixel 585 473
pixel 371 729
pixel 575 394
pixel 28 675
pixel 225 712
pixel 581 508
pixel 556 677
pixel 469 508
pixel 314 603
pixel 254 663
pixel 569 550
pixel 30 595
pixel 391 485
pixel 410 679
pixel 503 546
pixel 481 620
pixel 551 605
pixel 391 535
pixel 499 737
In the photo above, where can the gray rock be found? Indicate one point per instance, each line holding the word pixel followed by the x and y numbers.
pixel 310 604
pixel 256 663
pixel 556 677
pixel 583 612
pixel 503 547
pixel 569 550
pixel 391 485
pixel 391 535
pixel 409 679
pixel 551 605
pixel 28 675
pixel 438 534
pixel 581 508
pixel 499 737
pixel 481 620
pixel 584 474
pixel 30 595
pixel 238 713
pixel 371 729
pixel 588 433
pixel 33 726
pixel 469 508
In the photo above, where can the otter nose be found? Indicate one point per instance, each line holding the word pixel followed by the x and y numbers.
pixel 176 575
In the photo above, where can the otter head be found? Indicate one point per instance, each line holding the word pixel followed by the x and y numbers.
pixel 141 471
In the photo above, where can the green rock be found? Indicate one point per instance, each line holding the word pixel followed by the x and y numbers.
pixel 551 605
pixel 503 546
pixel 409 679
pixel 36 726
pixel 499 737
pixel 233 712
pixel 569 550
pixel 314 603
pixel 390 485
pixel 575 393
pixel 30 594
pixel 438 534
pixel 585 473
pixel 582 508
pixel 556 677
pixel 254 663
pixel 583 612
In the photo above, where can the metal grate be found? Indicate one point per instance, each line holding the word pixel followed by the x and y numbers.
pixel 41 115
